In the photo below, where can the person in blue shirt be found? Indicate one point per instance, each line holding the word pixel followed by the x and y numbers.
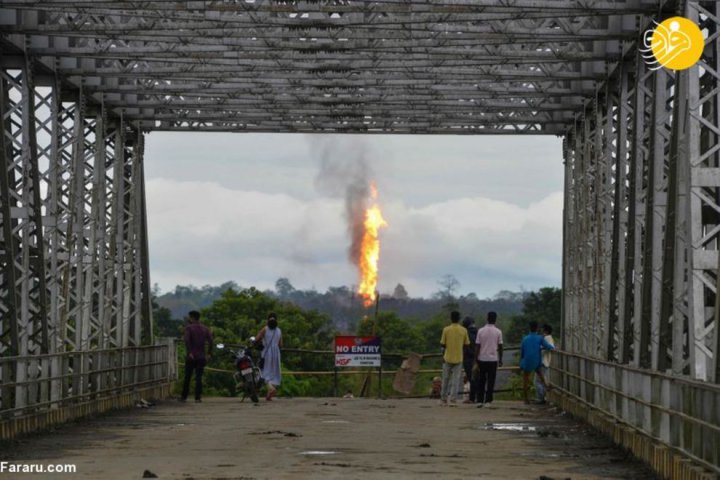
pixel 531 357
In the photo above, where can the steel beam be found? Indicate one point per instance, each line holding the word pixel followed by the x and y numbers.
pixel 303 58
pixel 701 115
pixel 616 349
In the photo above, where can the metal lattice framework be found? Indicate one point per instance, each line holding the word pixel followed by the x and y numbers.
pixel 74 269
pixel 389 66
pixel 83 80
pixel 643 215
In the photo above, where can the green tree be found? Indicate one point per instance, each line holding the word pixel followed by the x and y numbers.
pixel 283 287
pixel 449 285
pixel 397 334
pixel 446 294
pixel 542 306
pixel 431 330
pixel 400 293
pixel 163 323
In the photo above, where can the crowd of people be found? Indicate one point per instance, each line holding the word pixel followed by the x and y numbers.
pixel 481 358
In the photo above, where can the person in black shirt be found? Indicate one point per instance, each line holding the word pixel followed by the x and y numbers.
pixel 196 336
pixel 469 358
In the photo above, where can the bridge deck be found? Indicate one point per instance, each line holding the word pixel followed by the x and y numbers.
pixel 223 439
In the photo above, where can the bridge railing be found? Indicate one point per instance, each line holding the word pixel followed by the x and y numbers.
pixel 40 383
pixel 378 379
pixel 674 412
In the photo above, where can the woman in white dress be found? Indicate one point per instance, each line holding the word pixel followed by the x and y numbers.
pixel 271 337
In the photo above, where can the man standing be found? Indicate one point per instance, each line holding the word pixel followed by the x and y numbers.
pixel 545 364
pixel 530 357
pixel 469 359
pixel 488 352
pixel 454 338
pixel 196 334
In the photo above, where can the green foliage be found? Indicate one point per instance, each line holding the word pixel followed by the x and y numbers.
pixel 514 384
pixel 163 323
pixel 187 297
pixel 237 315
pixel 543 306
pixel 431 330
pixel 400 292
pixel 297 386
pixel 398 335
pixel 343 305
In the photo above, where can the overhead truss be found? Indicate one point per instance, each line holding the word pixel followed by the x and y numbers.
pixel 83 80
pixel 389 66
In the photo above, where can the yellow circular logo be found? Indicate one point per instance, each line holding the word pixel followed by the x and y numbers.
pixel 677 43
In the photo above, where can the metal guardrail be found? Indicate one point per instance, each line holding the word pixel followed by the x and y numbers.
pixel 384 355
pixel 31 384
pixel 679 412
pixel 363 371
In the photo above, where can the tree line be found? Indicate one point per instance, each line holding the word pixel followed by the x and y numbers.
pixel 343 305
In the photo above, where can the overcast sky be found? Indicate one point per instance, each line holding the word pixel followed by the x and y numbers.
pixel 249 208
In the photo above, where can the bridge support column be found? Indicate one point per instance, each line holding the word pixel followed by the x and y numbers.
pixel 73 252
pixel 642 220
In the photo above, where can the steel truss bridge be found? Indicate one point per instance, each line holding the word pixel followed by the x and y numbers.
pixel 84 80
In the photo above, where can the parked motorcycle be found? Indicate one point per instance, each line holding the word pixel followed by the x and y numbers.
pixel 247 375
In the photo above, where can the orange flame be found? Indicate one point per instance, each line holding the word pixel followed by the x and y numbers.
pixel 370 249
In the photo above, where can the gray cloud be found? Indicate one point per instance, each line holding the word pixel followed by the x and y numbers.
pixel 509 246
pixel 252 208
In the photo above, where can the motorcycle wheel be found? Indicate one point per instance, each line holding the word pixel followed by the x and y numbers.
pixel 251 388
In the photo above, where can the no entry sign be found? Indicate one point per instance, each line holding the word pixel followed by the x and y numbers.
pixel 352 351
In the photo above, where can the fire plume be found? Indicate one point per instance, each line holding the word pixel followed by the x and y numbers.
pixel 369 254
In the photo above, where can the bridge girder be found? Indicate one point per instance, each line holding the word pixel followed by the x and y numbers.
pixel 128 52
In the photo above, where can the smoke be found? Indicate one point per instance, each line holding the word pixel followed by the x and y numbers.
pixel 345 172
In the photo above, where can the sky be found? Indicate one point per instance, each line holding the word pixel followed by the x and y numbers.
pixel 255 207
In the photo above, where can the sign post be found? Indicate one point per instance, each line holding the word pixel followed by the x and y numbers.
pixel 355 351
pixel 352 351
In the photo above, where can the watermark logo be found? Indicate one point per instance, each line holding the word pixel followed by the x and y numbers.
pixel 676 44
pixel 12 467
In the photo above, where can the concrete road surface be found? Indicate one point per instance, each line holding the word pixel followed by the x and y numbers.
pixel 223 439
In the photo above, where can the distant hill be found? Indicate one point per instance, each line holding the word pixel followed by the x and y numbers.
pixel 345 307
pixel 188 297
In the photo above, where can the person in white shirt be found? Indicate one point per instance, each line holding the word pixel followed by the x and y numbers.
pixel 488 354
pixel 539 386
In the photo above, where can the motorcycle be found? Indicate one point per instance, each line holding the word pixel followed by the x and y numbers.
pixel 247 375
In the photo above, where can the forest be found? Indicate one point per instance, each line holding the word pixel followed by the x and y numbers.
pixel 344 307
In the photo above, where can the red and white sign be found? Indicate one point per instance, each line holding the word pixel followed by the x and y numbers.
pixel 352 351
